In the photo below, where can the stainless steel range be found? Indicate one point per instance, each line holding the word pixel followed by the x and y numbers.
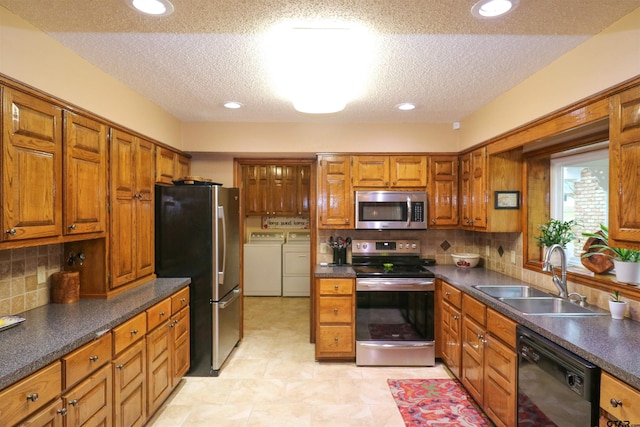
pixel 394 304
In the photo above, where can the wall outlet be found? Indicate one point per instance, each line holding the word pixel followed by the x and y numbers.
pixel 487 250
pixel 323 248
pixel 42 274
pixel 513 257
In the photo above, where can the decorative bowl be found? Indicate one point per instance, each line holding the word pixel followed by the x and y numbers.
pixel 465 260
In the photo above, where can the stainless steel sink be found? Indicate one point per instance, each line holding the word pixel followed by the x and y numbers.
pixel 549 306
pixel 511 291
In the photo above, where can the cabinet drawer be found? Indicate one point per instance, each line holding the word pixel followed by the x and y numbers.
pixel 501 327
pixel 451 294
pixel 336 286
pixel 129 332
pixel 335 310
pixel 335 339
pixel 85 360
pixel 159 313
pixel 30 394
pixel 612 388
pixel 474 309
pixel 179 300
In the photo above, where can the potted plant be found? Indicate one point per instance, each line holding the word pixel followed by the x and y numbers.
pixel 555 231
pixel 617 307
pixel 626 261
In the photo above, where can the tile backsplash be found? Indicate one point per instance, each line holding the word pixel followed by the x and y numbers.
pixel 20 287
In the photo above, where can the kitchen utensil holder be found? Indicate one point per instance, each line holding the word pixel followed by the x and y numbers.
pixel 339 256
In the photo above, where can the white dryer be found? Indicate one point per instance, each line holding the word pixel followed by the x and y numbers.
pixel 296 265
pixel 263 264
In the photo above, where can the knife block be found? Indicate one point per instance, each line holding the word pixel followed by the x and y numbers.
pixel 65 287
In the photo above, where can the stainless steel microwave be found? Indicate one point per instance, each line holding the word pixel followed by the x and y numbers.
pixel 391 210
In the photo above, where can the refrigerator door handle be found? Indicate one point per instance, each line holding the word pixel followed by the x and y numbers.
pixel 233 295
pixel 223 220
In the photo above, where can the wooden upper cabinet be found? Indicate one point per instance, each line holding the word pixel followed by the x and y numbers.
pixel 481 176
pixel 389 171
pixel 132 210
pixel 85 173
pixel 335 198
pixel 165 165
pixel 624 159
pixel 31 167
pixel 443 191
pixel 276 189
pixel 183 166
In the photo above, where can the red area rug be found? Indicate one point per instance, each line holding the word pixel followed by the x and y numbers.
pixel 436 402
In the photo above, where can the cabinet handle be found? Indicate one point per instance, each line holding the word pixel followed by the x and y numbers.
pixel 455 317
pixel 162 313
pixel 336 339
pixel 447 293
pixel 33 397
pixel 335 310
pixel 119 366
pixel 11 231
pixel 93 358
pixel 134 332
pixel 433 221
pixel 62 411
pixel 336 287
pixel 72 227
pixel 346 221
pixel 615 403
pixel 73 402
pixel 183 300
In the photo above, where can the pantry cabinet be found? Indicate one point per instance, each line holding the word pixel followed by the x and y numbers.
pixel 132 209
pixel 624 163
pixel 31 159
pixel 276 189
pixel 335 318
pixel 85 175
pixel 335 198
pixel 443 191
pixel 482 178
pixel 389 171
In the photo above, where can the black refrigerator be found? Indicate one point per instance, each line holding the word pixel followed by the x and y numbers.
pixel 197 236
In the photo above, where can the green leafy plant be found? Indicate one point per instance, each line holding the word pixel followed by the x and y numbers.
pixel 619 254
pixel 615 296
pixel 556 231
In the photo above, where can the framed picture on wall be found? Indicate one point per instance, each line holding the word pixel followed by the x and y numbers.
pixel 507 200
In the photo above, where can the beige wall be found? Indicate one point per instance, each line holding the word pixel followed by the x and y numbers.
pixel 30 56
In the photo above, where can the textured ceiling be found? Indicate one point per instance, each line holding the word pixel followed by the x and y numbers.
pixel 430 52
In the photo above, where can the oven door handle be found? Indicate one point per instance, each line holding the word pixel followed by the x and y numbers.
pixel 409 213
pixel 399 345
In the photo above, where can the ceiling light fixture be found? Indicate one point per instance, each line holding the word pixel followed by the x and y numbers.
pixel 152 7
pixel 406 106
pixel 492 8
pixel 233 105
pixel 319 67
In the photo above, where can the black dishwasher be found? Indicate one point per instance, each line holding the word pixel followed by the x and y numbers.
pixel 555 386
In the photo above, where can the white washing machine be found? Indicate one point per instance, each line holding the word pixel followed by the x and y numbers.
pixel 296 265
pixel 263 264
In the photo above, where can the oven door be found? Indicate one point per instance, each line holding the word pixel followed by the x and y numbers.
pixel 395 322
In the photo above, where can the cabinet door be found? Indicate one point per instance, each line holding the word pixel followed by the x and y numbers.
pixel 123 205
pixel 624 158
pixel 452 319
pixel 181 352
pixel 472 369
pixel 256 189
pixel 407 171
pixel 31 167
pixel 158 367
pixel 183 166
pixel 335 199
pixel 144 212
pixel 479 188
pixel 465 191
pixel 282 190
pixel 443 191
pixel 89 403
pixel 304 189
pixel 370 171
pixel 500 382
pixel 165 166
pixel 129 387
pixel 50 416
pixel 85 171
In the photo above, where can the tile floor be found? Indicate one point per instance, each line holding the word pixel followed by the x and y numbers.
pixel 272 379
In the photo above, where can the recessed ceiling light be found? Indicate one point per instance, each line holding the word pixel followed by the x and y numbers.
pixel 152 7
pixel 406 106
pixel 234 105
pixel 493 8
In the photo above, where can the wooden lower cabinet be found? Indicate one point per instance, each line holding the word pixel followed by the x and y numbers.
pixel 89 403
pixel 618 401
pixel 181 353
pixel 129 387
pixel 451 326
pixel 158 366
pixel 51 416
pixel 335 318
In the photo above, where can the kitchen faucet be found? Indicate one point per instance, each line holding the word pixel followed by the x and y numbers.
pixel 560 282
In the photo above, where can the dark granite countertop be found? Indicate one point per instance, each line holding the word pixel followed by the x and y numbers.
pixel 51 331
pixel 608 343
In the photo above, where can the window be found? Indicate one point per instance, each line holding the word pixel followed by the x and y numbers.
pixel 580 191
